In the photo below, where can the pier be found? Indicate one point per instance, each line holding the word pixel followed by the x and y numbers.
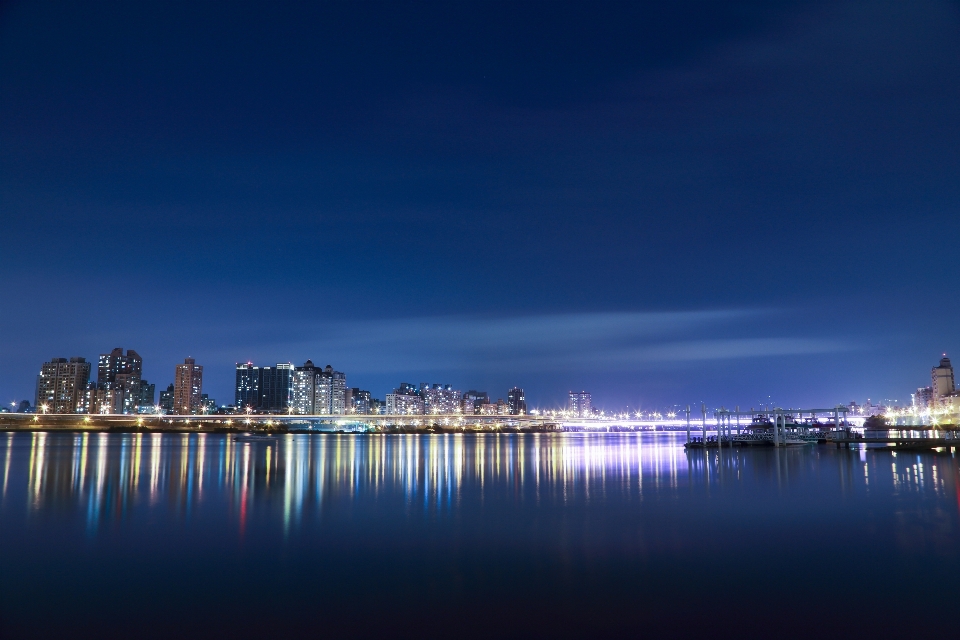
pixel 797 427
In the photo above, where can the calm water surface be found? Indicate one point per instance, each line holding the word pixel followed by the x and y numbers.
pixel 470 535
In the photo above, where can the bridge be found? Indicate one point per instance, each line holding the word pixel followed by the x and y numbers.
pixel 343 422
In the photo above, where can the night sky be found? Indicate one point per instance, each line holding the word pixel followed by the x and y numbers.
pixel 662 203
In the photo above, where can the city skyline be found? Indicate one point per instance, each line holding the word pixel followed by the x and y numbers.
pixel 285 388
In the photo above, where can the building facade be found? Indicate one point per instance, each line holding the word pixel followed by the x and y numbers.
pixel 941 380
pixel 331 392
pixel 304 389
pixel 276 388
pixel 61 385
pixel 473 402
pixel 247 389
pixel 120 387
pixel 580 404
pixel 517 402
pixel 405 400
pixel 187 387
pixel 166 400
pixel 440 398
pixel 358 401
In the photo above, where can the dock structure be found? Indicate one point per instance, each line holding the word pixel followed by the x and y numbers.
pixel 777 427
pixel 789 427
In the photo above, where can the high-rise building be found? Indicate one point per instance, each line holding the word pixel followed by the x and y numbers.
pixel 116 362
pixel 208 405
pixel 405 400
pixel 61 384
pixel 120 384
pixel 276 390
pixel 187 387
pixel 358 401
pixel 105 397
pixel 304 387
pixel 440 398
pixel 148 392
pixel 473 402
pixel 248 387
pixel 517 402
pixel 166 400
pixel 941 380
pixel 580 404
pixel 330 395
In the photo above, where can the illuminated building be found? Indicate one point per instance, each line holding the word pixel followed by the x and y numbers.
pixel 208 405
pixel 148 392
pixel 276 390
pixel 405 400
pixel 923 398
pixel 247 390
pixel 941 380
pixel 304 387
pixel 330 396
pixel 120 387
pixel 358 401
pixel 439 398
pixel 473 402
pixel 579 403
pixel 116 363
pixel 61 384
pixel 187 387
pixel 104 397
pixel 517 402
pixel 166 400
pixel 487 409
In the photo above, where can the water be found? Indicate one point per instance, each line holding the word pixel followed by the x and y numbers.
pixel 476 535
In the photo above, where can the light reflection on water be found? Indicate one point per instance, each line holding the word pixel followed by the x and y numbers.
pixel 529 529
pixel 104 475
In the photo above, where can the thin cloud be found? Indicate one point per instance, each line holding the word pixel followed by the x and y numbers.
pixel 601 341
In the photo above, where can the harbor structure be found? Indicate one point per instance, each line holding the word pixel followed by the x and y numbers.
pixel 777 427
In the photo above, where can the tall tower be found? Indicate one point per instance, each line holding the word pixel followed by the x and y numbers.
pixel 941 379
pixel 187 387
pixel 580 403
pixel 119 383
pixel 517 401
pixel 304 385
pixel 61 384
pixel 248 386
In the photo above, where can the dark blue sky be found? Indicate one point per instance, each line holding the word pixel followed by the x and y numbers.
pixel 659 202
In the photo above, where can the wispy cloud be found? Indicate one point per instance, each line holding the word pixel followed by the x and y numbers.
pixel 603 341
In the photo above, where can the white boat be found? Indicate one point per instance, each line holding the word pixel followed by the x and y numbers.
pixel 256 437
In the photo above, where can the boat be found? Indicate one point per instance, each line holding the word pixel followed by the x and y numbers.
pixel 256 437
